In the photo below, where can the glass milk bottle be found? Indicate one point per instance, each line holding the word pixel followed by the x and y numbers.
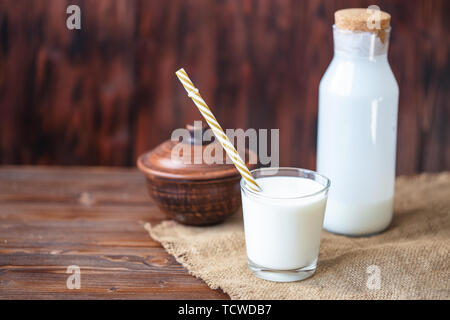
pixel 357 129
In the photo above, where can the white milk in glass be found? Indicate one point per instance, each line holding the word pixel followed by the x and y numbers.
pixel 283 225
pixel 357 130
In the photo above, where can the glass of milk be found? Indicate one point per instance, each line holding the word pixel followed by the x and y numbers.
pixel 283 223
pixel 357 127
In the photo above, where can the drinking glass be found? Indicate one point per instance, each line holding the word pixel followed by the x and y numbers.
pixel 283 228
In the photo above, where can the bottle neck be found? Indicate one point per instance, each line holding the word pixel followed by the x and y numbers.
pixel 361 45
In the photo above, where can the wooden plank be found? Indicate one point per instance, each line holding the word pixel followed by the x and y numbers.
pixel 54 217
pixel 93 186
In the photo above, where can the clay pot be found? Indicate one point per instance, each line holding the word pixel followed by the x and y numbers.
pixel 197 193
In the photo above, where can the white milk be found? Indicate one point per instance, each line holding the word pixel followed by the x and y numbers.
pixel 284 234
pixel 358 97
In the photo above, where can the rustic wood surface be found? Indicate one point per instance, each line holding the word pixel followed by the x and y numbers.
pixel 107 93
pixel 51 218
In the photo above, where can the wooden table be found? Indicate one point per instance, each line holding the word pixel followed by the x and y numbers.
pixel 55 217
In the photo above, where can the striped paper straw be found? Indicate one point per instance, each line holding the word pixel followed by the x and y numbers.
pixel 217 129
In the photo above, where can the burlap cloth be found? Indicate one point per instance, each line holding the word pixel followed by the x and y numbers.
pixel 412 255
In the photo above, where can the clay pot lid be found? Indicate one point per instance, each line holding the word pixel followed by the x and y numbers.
pixel 159 162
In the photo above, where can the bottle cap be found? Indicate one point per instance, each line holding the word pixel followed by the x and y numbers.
pixel 365 20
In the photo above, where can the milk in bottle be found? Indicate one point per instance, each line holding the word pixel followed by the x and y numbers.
pixel 357 129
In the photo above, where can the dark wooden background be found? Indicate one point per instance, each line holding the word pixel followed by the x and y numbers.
pixel 105 94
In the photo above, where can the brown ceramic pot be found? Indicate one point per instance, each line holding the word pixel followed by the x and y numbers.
pixel 196 193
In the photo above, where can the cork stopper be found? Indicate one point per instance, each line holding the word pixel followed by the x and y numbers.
pixel 365 20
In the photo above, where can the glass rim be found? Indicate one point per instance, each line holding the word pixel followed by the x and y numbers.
pixel 324 188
